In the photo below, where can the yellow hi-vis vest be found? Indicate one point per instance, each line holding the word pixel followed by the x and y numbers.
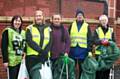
pixel 79 37
pixel 14 36
pixel 101 36
pixel 36 38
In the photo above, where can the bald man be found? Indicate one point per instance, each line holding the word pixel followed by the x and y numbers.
pixel 38 37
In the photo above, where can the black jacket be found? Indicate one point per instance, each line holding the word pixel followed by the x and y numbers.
pixel 32 60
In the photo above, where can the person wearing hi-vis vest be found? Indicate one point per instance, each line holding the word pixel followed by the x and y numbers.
pixel 38 38
pixel 102 35
pixel 13 46
pixel 80 36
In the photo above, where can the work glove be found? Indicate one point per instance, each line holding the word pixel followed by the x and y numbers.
pixel 43 56
pixel 65 57
pixel 105 42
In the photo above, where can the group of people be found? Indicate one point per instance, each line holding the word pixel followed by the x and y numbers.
pixel 41 41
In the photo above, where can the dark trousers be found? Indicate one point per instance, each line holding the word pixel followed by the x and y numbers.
pixel 53 64
pixel 13 71
pixel 103 74
pixel 31 61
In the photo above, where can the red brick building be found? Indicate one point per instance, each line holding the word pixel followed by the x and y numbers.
pixel 65 7
pixel 92 8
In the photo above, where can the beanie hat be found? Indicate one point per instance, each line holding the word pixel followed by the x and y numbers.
pixel 79 11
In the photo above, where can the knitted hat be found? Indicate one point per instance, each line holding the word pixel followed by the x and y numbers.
pixel 79 11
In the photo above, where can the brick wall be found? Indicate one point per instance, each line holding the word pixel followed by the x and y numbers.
pixel 2 70
pixel 118 34
pixel 90 9
pixel 68 7
pixel 112 4
pixel 118 8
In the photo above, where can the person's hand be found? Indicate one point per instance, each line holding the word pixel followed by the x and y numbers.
pixel 43 56
pixel 5 65
pixel 23 55
pixel 66 58
pixel 105 42
pixel 66 54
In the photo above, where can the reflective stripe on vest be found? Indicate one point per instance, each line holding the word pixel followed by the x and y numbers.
pixel 36 38
pixel 15 37
pixel 101 36
pixel 80 37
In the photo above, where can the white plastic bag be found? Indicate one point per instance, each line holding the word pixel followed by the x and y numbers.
pixel 46 69
pixel 42 72
pixel 23 74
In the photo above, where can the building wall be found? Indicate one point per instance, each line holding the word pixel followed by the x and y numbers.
pixel 68 8
pixel 118 9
